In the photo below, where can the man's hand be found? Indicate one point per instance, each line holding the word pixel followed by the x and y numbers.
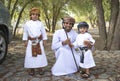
pixel 67 41
pixel 71 45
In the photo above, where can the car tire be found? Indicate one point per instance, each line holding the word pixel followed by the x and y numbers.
pixel 3 46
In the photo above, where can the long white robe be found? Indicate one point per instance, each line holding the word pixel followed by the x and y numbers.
pixel 65 63
pixel 34 29
pixel 88 57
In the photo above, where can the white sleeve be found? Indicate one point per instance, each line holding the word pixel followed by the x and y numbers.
pixel 25 33
pixel 43 31
pixel 91 39
pixel 76 42
pixel 56 43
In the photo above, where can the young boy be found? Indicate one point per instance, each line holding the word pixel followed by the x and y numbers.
pixel 34 37
pixel 84 42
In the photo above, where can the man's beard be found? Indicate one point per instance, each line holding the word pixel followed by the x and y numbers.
pixel 67 29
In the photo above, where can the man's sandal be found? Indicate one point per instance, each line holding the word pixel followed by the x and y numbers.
pixel 82 72
pixel 85 75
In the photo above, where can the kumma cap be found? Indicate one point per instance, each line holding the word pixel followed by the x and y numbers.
pixel 69 19
pixel 83 24
pixel 35 10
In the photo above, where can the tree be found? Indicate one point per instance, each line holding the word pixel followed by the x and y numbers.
pixel 16 8
pixel 101 23
pixel 84 10
pixel 115 44
pixel 47 13
pixel 57 5
pixel 52 10
pixel 20 14
pixel 3 1
pixel 109 40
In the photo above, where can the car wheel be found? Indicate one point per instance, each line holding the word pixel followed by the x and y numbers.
pixel 3 47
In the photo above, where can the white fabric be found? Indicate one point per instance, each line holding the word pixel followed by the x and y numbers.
pixel 34 29
pixel 88 57
pixel 65 63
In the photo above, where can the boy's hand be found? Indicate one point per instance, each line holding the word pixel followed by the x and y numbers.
pixel 40 37
pixel 88 44
pixel 25 43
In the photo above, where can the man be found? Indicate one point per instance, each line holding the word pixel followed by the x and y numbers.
pixel 66 57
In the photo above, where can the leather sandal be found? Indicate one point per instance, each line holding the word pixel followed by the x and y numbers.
pixel 85 75
pixel 32 72
pixel 82 72
pixel 41 71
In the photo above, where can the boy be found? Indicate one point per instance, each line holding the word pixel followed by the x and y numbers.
pixel 34 37
pixel 84 42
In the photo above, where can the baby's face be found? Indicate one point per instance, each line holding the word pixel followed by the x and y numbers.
pixel 83 30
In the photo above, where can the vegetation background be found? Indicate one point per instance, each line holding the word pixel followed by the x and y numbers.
pixel 102 15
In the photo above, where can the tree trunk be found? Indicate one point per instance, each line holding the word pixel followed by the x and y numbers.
pixel 45 8
pixel 13 9
pixel 3 1
pixel 56 11
pixel 47 21
pixel 113 19
pixel 9 4
pixel 101 23
pixel 19 17
pixel 92 22
pixel 116 40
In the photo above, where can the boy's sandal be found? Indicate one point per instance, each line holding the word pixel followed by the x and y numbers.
pixel 85 75
pixel 32 72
